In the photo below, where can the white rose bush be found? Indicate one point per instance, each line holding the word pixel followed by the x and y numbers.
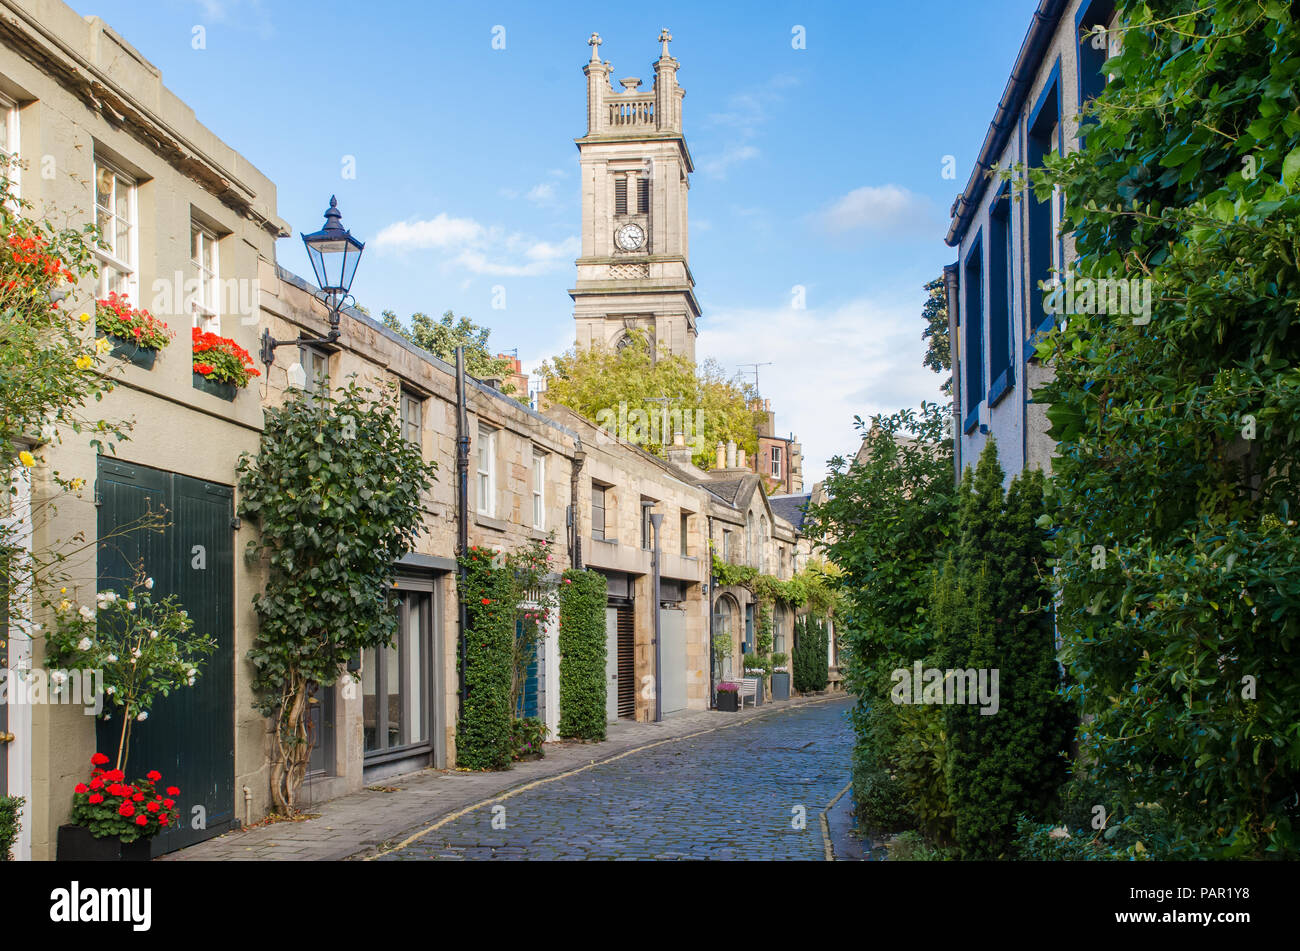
pixel 144 649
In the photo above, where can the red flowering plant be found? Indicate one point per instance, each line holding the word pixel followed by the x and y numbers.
pixel 110 807
pixel 222 360
pixel 115 317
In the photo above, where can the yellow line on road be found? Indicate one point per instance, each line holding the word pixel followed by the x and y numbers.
pixel 826 826
pixel 451 817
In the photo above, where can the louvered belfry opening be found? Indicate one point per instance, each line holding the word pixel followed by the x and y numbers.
pixel 620 195
pixel 643 196
pixel 626 664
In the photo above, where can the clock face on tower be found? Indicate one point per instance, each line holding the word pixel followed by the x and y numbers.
pixel 630 237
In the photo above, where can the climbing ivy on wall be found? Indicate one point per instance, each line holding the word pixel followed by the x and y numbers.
pixel 583 596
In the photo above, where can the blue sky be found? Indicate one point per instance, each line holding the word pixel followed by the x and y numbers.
pixel 818 167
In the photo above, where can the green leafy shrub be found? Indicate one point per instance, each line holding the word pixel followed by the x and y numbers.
pixel 992 613
pixel 527 738
pixel 484 733
pixel 335 491
pixel 910 846
pixel 583 596
pixel 1175 477
pixel 887 516
pixel 880 801
pixel 11 811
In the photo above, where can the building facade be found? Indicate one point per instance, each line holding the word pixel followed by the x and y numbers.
pixel 1010 244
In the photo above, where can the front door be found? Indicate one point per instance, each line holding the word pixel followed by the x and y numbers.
pixel 190 735
pixel 611 664
pixel 626 663
pixel 672 628
pixel 396 685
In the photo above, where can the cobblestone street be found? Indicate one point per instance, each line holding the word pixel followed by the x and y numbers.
pixel 730 794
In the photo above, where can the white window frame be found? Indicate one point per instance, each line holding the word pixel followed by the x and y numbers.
pixel 485 466
pixel 206 315
pixel 9 109
pixel 776 462
pixel 407 401
pixel 127 267
pixel 539 491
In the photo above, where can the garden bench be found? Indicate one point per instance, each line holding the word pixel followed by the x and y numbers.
pixel 748 688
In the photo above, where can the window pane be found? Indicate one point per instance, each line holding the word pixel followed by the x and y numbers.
pixel 369 689
pixel 414 717
pixel 103 187
pixel 392 694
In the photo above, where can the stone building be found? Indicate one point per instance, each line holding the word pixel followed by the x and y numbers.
pixel 1010 243
pixel 190 225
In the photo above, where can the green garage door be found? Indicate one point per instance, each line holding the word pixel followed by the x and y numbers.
pixel 189 736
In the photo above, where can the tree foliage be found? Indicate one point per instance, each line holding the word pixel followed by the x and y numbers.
pixel 335 491
pixel 595 382
pixel 442 337
pixel 938 346
pixel 583 597
pixel 1173 495
pixel 811 670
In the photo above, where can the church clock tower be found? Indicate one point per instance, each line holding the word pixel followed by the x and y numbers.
pixel 633 270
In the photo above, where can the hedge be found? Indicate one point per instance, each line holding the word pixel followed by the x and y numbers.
pixel 483 739
pixel 11 810
pixel 582 655
pixel 811 666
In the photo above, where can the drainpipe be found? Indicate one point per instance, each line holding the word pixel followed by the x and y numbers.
pixel 708 606
pixel 656 523
pixel 462 516
pixel 575 474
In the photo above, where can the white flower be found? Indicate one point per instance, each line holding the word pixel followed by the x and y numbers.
pixel 130 605
pixel 86 612
pixel 148 583
pixel 191 673
pixel 143 715
pixel 190 681
pixel 58 677
pixel 153 635
pixel 1060 832
pixel 84 644
pixel 110 689
pixel 106 597
pixel 112 658
pixel 37 627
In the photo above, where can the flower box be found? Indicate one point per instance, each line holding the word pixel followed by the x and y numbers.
pixel 225 391
pixel 132 352
pixel 76 844
pixel 727 701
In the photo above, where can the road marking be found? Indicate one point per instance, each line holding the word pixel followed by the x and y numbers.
pixel 451 817
pixel 826 826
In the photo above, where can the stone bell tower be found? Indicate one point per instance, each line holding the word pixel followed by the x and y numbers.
pixel 633 271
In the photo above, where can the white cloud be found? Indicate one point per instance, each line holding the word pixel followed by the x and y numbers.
pixel 543 194
pixel 883 209
pixel 719 164
pixel 858 358
pixel 439 232
pixel 479 249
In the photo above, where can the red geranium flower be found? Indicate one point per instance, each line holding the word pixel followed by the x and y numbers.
pixel 142 820
pixel 126 809
pixel 96 798
pixel 96 783
pixel 168 803
pixel 99 759
pixel 138 797
pixel 163 820
pixel 153 776
pixel 153 807
pixel 173 791
pixel 81 788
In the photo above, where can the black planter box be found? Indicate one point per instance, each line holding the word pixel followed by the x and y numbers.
pixel 225 391
pixel 132 352
pixel 76 844
pixel 727 701
pixel 780 686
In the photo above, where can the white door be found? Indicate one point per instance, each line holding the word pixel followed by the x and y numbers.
pixel 672 628
pixel 611 664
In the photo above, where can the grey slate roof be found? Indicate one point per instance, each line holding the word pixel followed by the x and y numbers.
pixel 792 508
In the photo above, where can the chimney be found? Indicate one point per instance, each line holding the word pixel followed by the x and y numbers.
pixel 722 455
pixel 731 454
pixel 740 459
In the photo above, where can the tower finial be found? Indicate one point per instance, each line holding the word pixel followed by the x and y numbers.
pixel 594 43
pixel 665 38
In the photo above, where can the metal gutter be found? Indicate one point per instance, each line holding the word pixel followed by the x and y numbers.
pixel 1032 49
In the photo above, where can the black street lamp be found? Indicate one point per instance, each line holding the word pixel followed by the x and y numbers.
pixel 334 255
